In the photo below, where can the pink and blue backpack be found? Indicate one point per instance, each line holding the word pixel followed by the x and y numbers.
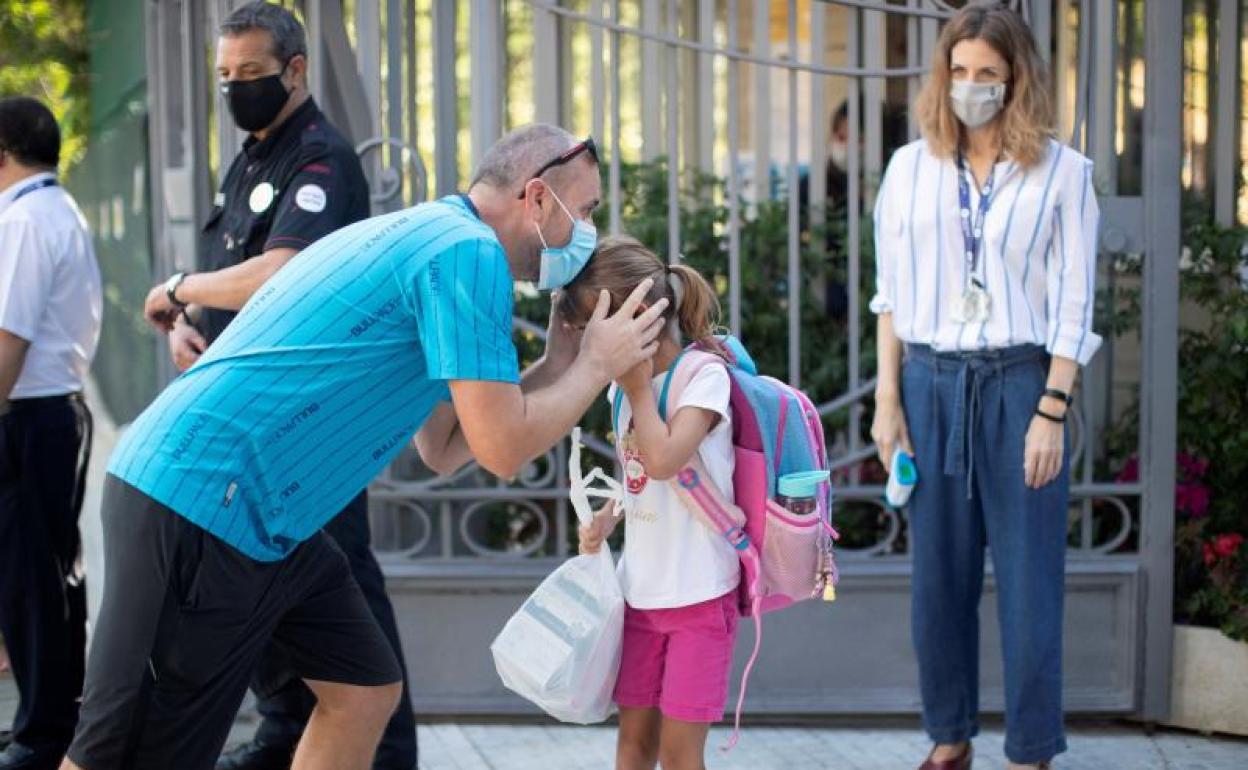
pixel 776 432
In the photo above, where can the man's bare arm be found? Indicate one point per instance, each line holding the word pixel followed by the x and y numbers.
pixel 12 358
pixel 226 289
pixel 505 427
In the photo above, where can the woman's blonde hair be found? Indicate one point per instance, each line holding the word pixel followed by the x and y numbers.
pixel 1027 117
pixel 619 265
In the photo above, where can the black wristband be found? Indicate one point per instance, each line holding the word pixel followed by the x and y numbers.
pixel 1050 417
pixel 1060 395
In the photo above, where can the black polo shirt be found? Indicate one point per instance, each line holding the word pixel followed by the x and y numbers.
pixel 301 182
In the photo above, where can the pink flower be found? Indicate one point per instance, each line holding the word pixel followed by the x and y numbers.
pixel 1191 499
pixel 1130 470
pixel 1227 545
pixel 1193 467
pixel 1210 556
pixel 1198 500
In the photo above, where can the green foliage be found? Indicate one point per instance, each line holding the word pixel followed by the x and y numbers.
pixel 1211 569
pixel 43 53
pixel 1211 578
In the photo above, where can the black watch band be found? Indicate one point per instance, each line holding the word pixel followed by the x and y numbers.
pixel 1050 417
pixel 1060 395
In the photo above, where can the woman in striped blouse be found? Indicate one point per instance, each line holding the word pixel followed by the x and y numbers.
pixel 986 259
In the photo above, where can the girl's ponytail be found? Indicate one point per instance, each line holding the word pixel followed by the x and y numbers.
pixel 697 306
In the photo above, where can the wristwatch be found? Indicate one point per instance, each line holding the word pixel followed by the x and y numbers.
pixel 171 289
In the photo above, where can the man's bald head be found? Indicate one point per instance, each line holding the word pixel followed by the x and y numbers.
pixel 514 159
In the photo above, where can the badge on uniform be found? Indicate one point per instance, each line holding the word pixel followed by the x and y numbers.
pixel 972 306
pixel 311 197
pixel 261 197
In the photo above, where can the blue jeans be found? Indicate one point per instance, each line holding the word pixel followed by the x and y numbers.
pixel 968 416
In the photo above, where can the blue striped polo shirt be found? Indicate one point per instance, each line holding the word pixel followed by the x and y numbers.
pixel 324 375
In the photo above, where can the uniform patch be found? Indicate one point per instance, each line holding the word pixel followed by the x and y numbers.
pixel 311 197
pixel 261 197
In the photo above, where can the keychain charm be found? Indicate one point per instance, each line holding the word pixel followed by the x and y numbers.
pixel 635 478
pixel 972 306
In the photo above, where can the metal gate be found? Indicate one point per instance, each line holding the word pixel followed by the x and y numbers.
pixel 741 90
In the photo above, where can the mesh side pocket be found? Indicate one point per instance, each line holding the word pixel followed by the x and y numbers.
pixel 790 552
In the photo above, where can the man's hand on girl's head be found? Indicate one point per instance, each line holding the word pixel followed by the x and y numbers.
pixel 611 345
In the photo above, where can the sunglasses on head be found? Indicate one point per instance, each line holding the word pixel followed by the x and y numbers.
pixel 567 157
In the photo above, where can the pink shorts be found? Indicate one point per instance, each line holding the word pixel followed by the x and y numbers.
pixel 678 660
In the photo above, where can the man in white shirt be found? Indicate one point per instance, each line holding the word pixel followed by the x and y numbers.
pixel 50 308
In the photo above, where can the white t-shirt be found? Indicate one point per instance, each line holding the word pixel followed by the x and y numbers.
pixel 672 559
pixel 50 292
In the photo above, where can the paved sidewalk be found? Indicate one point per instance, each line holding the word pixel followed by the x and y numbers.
pixel 1093 746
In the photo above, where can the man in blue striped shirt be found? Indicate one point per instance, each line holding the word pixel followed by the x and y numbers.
pixel 217 493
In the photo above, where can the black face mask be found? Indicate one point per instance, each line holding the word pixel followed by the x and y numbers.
pixel 255 103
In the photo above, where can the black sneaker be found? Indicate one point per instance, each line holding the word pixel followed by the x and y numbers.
pixel 257 756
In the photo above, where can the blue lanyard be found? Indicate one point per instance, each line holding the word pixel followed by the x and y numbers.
pixel 973 227
pixel 42 183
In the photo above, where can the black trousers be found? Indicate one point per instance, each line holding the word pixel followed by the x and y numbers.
pixel 43 609
pixel 285 702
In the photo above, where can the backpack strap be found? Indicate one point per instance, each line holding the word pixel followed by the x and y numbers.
pixel 756 610
pixel 700 498
pixel 618 402
pixel 708 505
pixel 667 385
pixel 679 377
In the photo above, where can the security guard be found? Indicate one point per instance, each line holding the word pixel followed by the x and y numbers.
pixel 50 308
pixel 296 180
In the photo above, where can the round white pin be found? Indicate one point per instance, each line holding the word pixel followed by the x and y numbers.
pixel 311 197
pixel 261 197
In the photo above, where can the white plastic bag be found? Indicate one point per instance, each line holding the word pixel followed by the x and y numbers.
pixel 561 650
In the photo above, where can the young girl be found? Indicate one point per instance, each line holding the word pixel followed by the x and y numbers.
pixel 679 578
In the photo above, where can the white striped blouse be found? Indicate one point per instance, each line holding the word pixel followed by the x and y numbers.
pixel 1038 259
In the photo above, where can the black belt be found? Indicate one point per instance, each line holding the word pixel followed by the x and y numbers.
pixel 22 404
pixel 86 426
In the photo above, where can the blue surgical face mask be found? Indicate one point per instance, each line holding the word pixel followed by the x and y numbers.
pixel 560 265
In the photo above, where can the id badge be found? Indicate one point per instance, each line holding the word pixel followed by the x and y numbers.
pixel 972 306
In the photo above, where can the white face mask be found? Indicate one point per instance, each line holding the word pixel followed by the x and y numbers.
pixel 580 490
pixel 838 153
pixel 976 103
